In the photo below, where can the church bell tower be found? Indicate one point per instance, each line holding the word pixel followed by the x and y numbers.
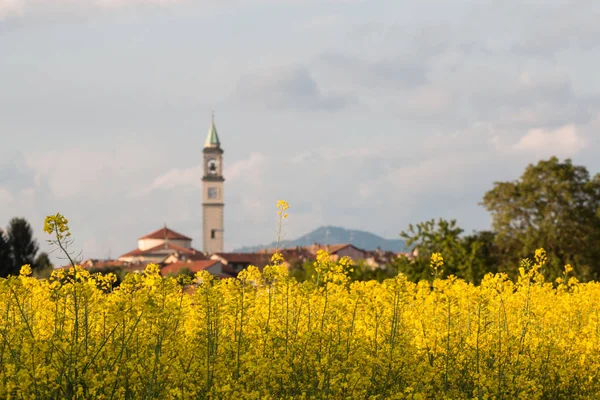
pixel 212 193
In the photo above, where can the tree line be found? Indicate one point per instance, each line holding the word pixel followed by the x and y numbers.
pixel 553 205
pixel 19 247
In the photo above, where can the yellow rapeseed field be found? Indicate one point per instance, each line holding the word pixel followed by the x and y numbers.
pixel 264 335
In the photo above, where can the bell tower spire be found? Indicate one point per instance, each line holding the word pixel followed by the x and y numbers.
pixel 212 192
pixel 212 139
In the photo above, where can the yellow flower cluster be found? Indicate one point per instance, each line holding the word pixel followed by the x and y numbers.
pixel 263 335
pixel 282 205
pixel 436 264
pixel 57 224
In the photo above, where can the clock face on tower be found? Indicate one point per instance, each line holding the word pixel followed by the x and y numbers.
pixel 212 166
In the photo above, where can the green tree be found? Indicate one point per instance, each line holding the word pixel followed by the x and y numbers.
pixel 42 267
pixel 487 253
pixel 460 254
pixel 5 255
pixel 303 271
pixel 362 271
pixel 23 247
pixel 42 261
pixel 554 205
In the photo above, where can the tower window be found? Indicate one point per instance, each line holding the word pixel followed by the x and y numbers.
pixel 212 166
pixel 212 233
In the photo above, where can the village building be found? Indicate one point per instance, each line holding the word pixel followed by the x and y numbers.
pixel 163 246
pixel 174 253
pixel 215 267
pixel 166 247
pixel 338 251
pixel 239 261
pixel 378 258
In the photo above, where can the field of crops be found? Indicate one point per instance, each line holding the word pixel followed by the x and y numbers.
pixel 263 335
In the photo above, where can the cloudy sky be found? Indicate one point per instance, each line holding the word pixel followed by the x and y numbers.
pixel 362 114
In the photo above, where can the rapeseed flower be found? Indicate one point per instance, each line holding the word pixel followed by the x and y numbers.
pixel 264 335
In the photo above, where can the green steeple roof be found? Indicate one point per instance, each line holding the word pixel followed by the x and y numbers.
pixel 212 140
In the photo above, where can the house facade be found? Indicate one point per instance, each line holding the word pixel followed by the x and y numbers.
pixel 162 246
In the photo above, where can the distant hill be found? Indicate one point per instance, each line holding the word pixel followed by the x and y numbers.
pixel 334 235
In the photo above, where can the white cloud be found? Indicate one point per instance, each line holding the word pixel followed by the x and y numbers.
pixel 524 78
pixel 81 171
pixel 178 177
pixel 127 2
pixel 19 6
pixel 91 246
pixel 562 142
pixel 331 155
pixel 192 177
pixel 242 168
pixel 324 24
pixel 11 7
pixel 422 177
pixel 284 88
pixel 365 190
pixel 24 7
pixel 426 101
pixel 5 195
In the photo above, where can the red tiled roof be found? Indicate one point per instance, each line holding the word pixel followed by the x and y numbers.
pixel 135 252
pixel 331 248
pixel 166 245
pixel 296 254
pixel 193 266
pixel 334 248
pixel 245 258
pixel 165 233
